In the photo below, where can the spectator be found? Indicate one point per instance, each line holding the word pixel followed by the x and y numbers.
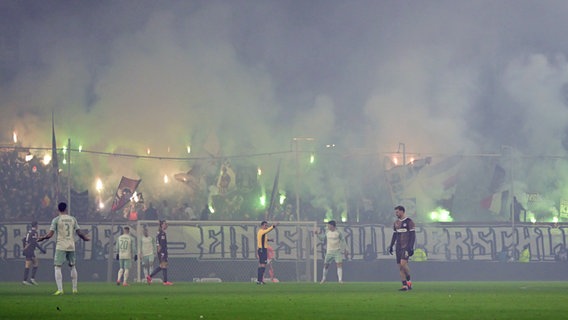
pixel 205 213
pixel 151 213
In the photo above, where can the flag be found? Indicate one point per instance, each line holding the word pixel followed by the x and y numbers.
pixel 495 202
pixel 498 197
pixel 498 178
pixel 274 194
pixel 54 161
pixel 124 191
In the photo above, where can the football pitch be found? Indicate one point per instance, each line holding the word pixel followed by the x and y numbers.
pixel 356 300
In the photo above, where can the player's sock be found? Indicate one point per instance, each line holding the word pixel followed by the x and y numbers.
pixel 340 274
pixel 119 276
pixel 34 270
pixel 155 272
pixel 407 277
pixel 74 277
pixel 324 274
pixel 126 271
pixel 260 274
pixel 58 278
pixel 165 273
pixel 26 273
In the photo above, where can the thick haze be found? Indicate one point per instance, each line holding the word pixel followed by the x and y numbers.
pixel 440 76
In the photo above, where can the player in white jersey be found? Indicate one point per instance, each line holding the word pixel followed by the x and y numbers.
pixel 147 251
pixel 126 248
pixel 64 227
pixel 336 247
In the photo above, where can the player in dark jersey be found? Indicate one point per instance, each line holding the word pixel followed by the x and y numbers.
pixel 404 236
pixel 162 244
pixel 30 244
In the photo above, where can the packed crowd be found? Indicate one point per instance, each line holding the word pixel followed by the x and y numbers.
pixel 28 187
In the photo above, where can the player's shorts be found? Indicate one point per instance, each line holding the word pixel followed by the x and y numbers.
pixel 262 255
pixel 124 263
pixel 401 254
pixel 163 257
pixel 62 256
pixel 148 260
pixel 333 256
pixel 30 255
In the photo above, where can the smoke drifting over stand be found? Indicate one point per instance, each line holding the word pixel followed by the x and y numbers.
pixel 246 77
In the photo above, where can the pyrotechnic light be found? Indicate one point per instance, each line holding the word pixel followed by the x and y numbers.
pixel 555 219
pixel 263 200
pixel 64 161
pixel 99 185
pixel 312 158
pixel 259 171
pixel 29 157
pixel 101 205
pixel 15 137
pixel 188 149
pixel 441 215
pixel 64 149
pixel 80 148
pixel 46 159
pixel 395 160
pixel 148 151
pixel 282 198
pixel 166 178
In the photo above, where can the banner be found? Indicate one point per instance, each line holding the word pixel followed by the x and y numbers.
pixel 124 192
pixel 226 180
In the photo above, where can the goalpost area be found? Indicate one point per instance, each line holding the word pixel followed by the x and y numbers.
pixel 227 251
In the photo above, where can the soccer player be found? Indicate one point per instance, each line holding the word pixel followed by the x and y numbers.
pixel 335 243
pixel 63 226
pixel 126 248
pixel 148 251
pixel 404 236
pixel 262 244
pixel 162 244
pixel 30 244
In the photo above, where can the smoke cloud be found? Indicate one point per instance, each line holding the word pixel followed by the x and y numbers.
pixel 246 77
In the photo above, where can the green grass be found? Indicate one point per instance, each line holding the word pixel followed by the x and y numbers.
pixel 378 300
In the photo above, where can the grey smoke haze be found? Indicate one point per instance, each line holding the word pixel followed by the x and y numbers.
pixel 441 76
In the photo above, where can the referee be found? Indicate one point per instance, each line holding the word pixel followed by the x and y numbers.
pixel 262 243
